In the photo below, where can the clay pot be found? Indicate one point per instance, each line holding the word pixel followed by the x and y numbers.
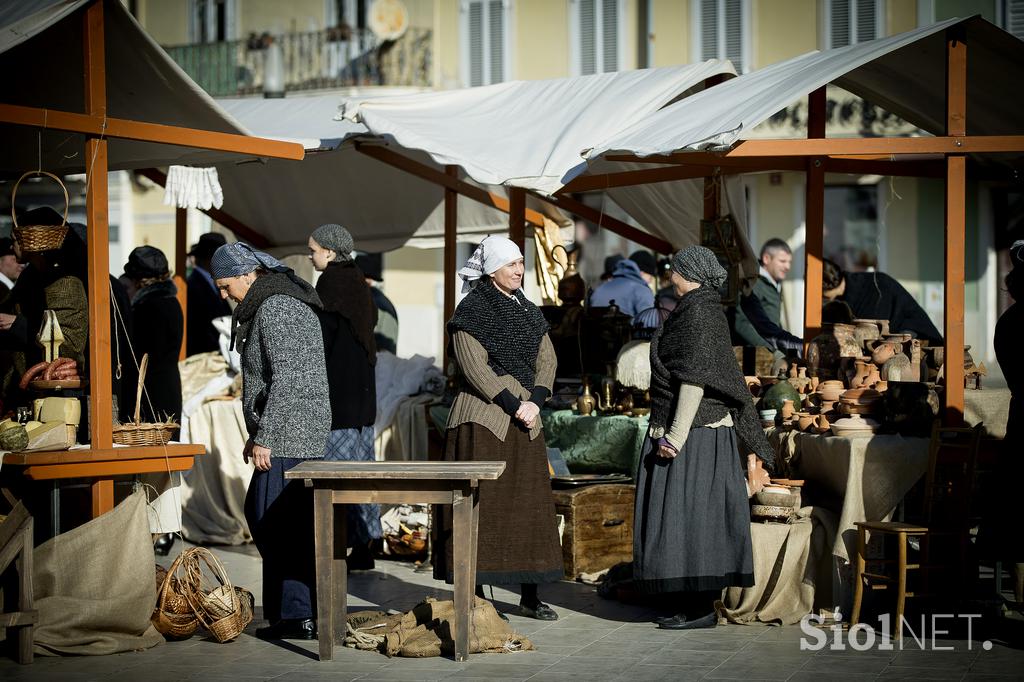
pixel 861 373
pixel 854 426
pixel 860 396
pixel 788 409
pixel 823 354
pixel 873 377
pixel 773 397
pixel 849 345
pixel 822 423
pixel 896 368
pixel 866 330
pixel 804 420
pixel 883 351
pixel 881 386
pixel 830 390
pixel 814 384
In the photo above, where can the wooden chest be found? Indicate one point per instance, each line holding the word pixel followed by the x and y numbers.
pixel 598 526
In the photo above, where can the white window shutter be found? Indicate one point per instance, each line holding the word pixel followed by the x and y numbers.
pixel 496 40
pixel 1015 17
pixel 839 15
pixel 610 35
pixel 475 38
pixel 734 33
pixel 867 20
pixel 587 21
pixel 708 29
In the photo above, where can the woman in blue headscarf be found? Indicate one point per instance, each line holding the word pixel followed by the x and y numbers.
pixel 287 412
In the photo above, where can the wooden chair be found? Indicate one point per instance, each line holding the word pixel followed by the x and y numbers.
pixel 16 546
pixel 946 513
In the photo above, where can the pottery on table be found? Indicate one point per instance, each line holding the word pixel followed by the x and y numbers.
pixel 804 420
pixel 860 396
pixel 788 410
pixel 881 386
pixel 823 354
pixel 872 377
pixel 849 345
pixel 896 368
pixel 753 385
pixel 821 424
pixel 866 330
pixel 854 426
pixel 585 403
pixel 860 374
pixel 883 351
pixel 830 390
pixel 771 399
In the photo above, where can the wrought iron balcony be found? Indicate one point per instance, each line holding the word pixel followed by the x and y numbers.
pixel 317 60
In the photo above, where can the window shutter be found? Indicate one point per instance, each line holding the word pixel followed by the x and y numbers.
pixel 588 36
pixel 708 29
pixel 839 15
pixel 610 35
pixel 734 33
pixel 1015 17
pixel 867 21
pixel 496 40
pixel 476 43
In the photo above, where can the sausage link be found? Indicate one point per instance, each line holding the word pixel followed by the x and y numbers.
pixel 31 373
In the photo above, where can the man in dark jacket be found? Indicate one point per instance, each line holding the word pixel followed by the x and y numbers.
pixel 386 332
pixel 877 296
pixel 627 288
pixel 758 317
pixel 204 301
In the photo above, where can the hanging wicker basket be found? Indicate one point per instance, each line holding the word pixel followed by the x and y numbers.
pixel 36 238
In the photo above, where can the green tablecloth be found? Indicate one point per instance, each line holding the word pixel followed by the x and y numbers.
pixel 596 444
pixel 590 445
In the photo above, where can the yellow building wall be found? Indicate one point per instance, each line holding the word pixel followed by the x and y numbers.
pixel 782 29
pixel 414 281
pixel 540 30
pixel 446 45
pixel 294 16
pixel 154 223
pixel 165 20
pixel 670 30
pixel 900 16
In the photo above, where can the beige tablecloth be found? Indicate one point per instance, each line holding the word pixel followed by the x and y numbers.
pixel 860 479
pixel 990 406
pixel 213 491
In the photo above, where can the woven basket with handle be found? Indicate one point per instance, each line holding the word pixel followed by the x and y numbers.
pixel 139 433
pixel 222 608
pixel 173 616
pixel 35 238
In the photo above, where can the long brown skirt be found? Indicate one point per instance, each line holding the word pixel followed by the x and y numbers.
pixel 518 537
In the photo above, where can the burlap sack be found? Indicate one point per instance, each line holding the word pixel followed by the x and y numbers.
pixel 427 631
pixel 94 586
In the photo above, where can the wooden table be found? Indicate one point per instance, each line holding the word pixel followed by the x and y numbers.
pixel 103 464
pixel 454 483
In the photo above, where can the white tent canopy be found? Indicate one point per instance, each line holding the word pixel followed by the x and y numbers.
pixel 41 57
pixel 905 74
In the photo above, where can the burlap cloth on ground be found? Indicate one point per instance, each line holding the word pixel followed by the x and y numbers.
pixel 95 585
pixel 792 565
pixel 427 631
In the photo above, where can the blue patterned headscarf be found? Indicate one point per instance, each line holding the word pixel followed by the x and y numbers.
pixel 234 260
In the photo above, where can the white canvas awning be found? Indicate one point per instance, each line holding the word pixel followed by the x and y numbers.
pixel 41 58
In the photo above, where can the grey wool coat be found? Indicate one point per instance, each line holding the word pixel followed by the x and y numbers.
pixel 285 397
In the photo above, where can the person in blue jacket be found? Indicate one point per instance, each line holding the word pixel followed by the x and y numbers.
pixel 627 288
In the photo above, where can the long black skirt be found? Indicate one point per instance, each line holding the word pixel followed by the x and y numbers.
pixel 280 516
pixel 691 529
pixel 518 536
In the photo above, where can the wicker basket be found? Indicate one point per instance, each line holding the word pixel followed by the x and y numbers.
pixel 143 433
pixel 210 594
pixel 173 616
pixel 36 238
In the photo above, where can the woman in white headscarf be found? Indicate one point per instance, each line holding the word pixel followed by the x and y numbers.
pixel 507 365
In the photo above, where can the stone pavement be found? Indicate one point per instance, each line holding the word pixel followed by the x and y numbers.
pixel 594 639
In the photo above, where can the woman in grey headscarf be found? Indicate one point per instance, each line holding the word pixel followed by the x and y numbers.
pixel 287 413
pixel 691 535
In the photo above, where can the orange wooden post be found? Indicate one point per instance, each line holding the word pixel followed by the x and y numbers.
pixel 517 216
pixel 955 235
pixel 451 224
pixel 814 220
pixel 180 258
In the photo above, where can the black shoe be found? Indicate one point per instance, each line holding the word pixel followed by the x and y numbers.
pixel 678 618
pixel 680 622
pixel 162 545
pixel 289 628
pixel 361 559
pixel 540 611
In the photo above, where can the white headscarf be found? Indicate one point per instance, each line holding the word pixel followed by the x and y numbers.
pixel 492 253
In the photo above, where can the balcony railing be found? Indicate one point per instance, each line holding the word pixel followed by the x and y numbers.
pixel 312 61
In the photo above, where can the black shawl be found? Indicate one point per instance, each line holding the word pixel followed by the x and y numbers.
pixel 510 331
pixel 286 283
pixel 877 296
pixel 343 290
pixel 693 346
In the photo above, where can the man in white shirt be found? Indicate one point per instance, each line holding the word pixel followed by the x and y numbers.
pixel 10 268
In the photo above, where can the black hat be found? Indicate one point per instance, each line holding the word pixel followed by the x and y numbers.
pixel 610 262
pixel 6 247
pixel 207 244
pixel 646 262
pixel 371 265
pixel 146 261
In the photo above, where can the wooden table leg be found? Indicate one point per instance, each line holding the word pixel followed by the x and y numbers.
pixel 340 563
pixel 323 529
pixel 474 532
pixel 102 496
pixel 465 576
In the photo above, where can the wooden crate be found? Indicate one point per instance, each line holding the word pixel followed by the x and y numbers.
pixel 598 526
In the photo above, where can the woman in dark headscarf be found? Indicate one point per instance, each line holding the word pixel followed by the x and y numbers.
pixel 286 405
pixel 347 320
pixel 499 340
pixel 691 535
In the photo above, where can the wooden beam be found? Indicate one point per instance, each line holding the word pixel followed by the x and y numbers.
pixel 180 265
pixel 98 235
pixel 240 229
pixel 814 220
pixel 517 217
pixel 950 144
pixel 429 174
pixel 100 125
pixel 451 226
pixel 895 168
pixel 620 228
pixel 955 232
